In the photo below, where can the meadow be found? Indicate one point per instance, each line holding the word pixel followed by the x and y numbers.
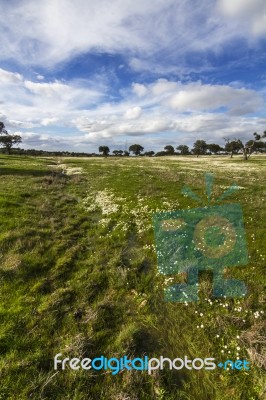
pixel 79 276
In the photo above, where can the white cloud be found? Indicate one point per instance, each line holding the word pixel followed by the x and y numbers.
pixel 20 124
pixel 7 77
pixel 237 7
pixel 246 12
pixel 54 30
pixel 139 89
pixel 54 89
pixel 60 93
pixel 133 113
pixel 50 142
pixel 49 121
pixel 196 96
pixel 45 102
pixel 40 77
pixel 152 35
pixel 199 97
pixel 130 128
pixel 162 86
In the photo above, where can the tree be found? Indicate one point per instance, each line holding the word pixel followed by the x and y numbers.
pixel 248 148
pixel 2 127
pixel 199 147
pixel 7 140
pixel 126 153
pixel 161 154
pixel 169 149
pixel 233 146
pixel 258 146
pixel 214 148
pixel 118 152
pixel 184 149
pixel 105 150
pixel 136 149
pixel 149 153
pixel 237 145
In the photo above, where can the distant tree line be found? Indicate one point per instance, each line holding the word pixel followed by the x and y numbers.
pixel 37 153
pixel 200 147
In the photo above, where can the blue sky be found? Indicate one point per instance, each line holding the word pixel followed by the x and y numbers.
pixel 77 74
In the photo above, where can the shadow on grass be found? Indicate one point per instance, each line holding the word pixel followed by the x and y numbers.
pixel 22 172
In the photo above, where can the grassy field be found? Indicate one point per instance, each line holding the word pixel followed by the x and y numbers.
pixel 78 276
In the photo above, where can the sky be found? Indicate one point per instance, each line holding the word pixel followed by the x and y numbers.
pixel 78 74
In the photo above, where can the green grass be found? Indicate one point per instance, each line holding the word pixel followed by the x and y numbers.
pixel 78 276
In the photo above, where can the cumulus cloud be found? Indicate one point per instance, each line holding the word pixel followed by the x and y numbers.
pixel 204 126
pixel 196 96
pixel 139 89
pixel 133 113
pixel 50 142
pixel 163 108
pixel 45 102
pixel 42 140
pixel 114 129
